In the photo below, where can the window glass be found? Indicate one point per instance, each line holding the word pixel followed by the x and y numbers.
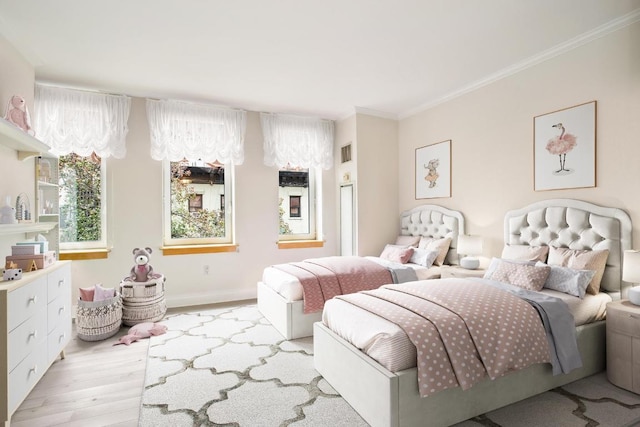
pixel 297 203
pixel 198 196
pixel 82 202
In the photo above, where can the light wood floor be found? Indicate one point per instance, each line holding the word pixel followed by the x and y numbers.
pixel 97 384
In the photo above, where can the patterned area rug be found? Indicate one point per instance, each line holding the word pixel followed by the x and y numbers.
pixel 230 367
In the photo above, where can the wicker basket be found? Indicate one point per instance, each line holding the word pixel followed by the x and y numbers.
pixel 143 301
pixel 98 320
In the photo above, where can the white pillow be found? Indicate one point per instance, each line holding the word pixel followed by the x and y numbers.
pixel 525 252
pixel 439 245
pixel 423 257
pixel 568 280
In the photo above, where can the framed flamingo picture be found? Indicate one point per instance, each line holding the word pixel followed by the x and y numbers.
pixel 433 170
pixel 564 148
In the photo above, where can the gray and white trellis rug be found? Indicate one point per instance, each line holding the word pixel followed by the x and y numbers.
pixel 230 367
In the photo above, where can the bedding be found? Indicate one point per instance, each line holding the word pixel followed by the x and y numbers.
pixel 289 287
pixel 458 340
pixel 323 278
pixel 386 343
pixel 348 343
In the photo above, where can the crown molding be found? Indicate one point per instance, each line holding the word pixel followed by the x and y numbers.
pixel 368 112
pixel 588 37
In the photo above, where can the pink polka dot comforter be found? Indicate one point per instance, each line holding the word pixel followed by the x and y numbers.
pixel 324 278
pixel 463 330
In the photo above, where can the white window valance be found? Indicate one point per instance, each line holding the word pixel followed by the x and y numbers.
pixel 81 122
pixel 297 141
pixel 182 130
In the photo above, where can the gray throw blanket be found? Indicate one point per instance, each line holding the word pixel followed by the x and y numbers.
pixel 558 322
pixel 399 273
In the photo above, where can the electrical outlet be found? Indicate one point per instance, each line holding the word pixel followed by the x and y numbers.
pixel 205 270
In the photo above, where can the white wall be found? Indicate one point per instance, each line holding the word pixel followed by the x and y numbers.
pixel 135 220
pixel 16 176
pixel 492 135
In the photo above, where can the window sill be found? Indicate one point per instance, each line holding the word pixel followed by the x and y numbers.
pixel 84 254
pixel 297 244
pixel 198 249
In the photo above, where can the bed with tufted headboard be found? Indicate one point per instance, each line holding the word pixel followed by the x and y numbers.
pixel 386 396
pixel 280 295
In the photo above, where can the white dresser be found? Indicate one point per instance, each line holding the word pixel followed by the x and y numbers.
pixel 35 323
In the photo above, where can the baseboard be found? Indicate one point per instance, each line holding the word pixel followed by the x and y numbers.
pixel 202 298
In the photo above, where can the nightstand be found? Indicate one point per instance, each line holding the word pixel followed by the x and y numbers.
pixel 623 345
pixel 449 271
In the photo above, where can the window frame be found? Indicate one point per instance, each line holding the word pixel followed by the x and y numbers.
pixel 227 209
pixel 93 244
pixel 315 209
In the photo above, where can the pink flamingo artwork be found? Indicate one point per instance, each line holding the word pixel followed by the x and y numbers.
pixel 560 145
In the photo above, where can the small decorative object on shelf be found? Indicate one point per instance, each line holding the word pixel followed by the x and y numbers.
pixel 23 208
pixel 12 274
pixel 8 213
pixel 18 114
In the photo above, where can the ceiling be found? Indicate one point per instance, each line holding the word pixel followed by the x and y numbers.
pixel 325 58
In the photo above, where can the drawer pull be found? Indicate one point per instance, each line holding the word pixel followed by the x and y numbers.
pixel 33 334
pixel 33 299
pixel 63 336
pixel 60 282
pixel 34 369
pixel 61 310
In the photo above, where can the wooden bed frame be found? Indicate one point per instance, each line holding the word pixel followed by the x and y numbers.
pixel 384 398
pixel 434 221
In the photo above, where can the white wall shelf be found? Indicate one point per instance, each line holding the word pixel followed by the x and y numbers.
pixel 26 227
pixel 26 145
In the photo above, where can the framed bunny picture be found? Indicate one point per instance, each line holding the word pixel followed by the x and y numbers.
pixel 433 170
pixel 564 148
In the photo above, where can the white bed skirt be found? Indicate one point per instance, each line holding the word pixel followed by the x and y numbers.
pixel 387 399
pixel 287 317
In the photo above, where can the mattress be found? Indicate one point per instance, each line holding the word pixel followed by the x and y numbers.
pixel 387 343
pixel 289 287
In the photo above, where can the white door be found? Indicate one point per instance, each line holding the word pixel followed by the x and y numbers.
pixel 347 221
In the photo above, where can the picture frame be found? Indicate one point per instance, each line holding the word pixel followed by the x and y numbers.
pixel 433 170
pixel 564 148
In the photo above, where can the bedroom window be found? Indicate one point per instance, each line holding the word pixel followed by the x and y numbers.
pixel 199 195
pixel 82 186
pixel 298 204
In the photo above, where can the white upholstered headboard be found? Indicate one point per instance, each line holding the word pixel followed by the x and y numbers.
pixel 575 224
pixel 434 221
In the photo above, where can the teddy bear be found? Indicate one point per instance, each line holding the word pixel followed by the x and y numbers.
pixel 142 270
pixel 18 114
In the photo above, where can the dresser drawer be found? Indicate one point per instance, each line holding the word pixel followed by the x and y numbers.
pixel 26 375
pixel 624 322
pixel 59 282
pixel 58 312
pixel 25 338
pixel 57 340
pixel 26 300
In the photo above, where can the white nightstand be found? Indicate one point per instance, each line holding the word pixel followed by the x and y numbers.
pixel 623 345
pixel 449 271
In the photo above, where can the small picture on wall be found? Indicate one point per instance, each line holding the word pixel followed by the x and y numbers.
pixel 565 148
pixel 433 170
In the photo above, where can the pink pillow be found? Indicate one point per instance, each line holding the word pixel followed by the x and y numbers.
pixel 397 253
pixel 525 252
pixel 524 276
pixel 101 294
pixel 86 294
